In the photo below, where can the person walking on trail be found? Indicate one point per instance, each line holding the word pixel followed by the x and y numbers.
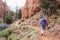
pixel 43 23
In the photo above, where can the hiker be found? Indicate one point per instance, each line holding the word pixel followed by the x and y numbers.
pixel 43 23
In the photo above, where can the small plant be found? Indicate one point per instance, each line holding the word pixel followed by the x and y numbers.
pixel 9 19
pixel 19 15
pixel 53 8
pixel 5 33
pixel 45 5
pixel 20 21
pixel 11 37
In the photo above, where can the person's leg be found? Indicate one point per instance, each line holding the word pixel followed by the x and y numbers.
pixel 43 31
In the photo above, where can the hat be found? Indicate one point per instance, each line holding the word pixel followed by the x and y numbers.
pixel 43 18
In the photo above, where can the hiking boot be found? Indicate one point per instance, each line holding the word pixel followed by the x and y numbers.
pixel 42 34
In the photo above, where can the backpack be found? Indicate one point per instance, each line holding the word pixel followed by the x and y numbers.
pixel 43 23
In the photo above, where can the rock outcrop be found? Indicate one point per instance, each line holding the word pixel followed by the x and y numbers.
pixel 31 7
pixel 3 9
pixel 58 1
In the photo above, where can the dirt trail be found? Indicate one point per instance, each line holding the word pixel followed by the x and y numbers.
pixel 39 34
pixel 16 23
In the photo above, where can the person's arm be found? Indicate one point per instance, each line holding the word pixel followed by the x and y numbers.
pixel 46 23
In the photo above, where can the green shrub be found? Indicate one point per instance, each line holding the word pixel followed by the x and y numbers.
pixel 53 8
pixel 5 33
pixel 8 19
pixel 12 36
pixel 19 15
pixel 45 5
pixel 49 6
pixel 58 18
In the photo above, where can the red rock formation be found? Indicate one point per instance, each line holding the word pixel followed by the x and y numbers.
pixel 30 8
pixel 58 1
pixel 7 10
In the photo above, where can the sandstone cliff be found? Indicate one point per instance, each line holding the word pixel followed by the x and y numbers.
pixel 31 7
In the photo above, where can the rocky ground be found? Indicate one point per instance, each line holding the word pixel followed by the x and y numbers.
pixel 23 33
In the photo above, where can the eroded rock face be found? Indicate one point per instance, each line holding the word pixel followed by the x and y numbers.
pixel 7 10
pixel 31 7
pixel 58 2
